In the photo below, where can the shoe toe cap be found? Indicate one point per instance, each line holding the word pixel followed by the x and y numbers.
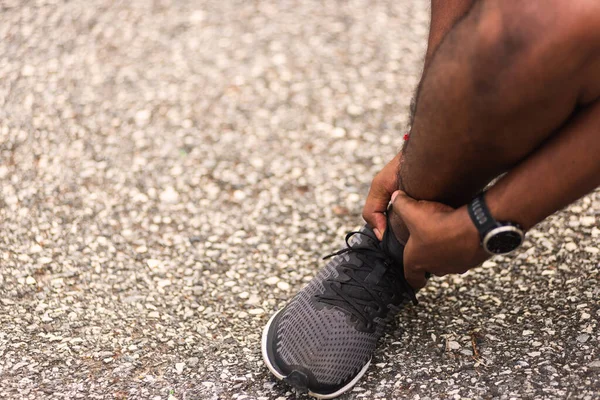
pixel 320 349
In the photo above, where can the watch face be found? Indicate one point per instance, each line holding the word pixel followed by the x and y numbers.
pixel 503 240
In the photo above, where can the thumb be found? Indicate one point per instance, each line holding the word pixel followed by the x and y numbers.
pixel 405 207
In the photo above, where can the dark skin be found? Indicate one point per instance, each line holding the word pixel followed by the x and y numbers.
pixel 512 87
pixel 444 14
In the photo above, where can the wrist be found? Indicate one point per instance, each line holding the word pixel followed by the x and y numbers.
pixel 466 230
pixel 496 236
pixel 497 205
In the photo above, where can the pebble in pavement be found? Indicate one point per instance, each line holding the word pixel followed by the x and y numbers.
pixel 171 173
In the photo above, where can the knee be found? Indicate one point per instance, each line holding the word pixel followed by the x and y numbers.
pixel 527 36
pixel 552 25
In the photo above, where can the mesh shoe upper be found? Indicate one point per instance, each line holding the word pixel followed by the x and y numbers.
pixel 330 328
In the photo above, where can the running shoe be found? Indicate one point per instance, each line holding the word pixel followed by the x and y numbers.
pixel 323 339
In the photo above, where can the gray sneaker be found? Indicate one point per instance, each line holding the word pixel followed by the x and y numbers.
pixel 323 339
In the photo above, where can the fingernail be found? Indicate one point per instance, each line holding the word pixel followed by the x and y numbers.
pixel 377 233
pixel 394 195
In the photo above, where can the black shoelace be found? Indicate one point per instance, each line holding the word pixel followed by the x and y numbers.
pixel 394 281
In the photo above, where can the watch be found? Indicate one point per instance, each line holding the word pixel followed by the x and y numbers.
pixel 497 237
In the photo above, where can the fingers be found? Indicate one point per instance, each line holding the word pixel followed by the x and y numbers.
pixel 414 276
pixel 374 209
pixel 382 226
pixel 380 193
pixel 376 206
pixel 405 207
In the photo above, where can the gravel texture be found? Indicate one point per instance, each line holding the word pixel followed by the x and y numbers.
pixel 172 171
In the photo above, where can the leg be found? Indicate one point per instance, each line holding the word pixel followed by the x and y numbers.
pixel 502 81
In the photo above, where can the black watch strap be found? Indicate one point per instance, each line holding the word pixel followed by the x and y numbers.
pixel 481 216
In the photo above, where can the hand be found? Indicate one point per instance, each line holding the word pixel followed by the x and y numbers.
pixel 382 187
pixel 442 241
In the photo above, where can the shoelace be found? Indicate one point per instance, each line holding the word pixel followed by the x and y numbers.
pixel 370 255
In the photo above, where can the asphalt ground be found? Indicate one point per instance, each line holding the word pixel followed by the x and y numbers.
pixel 171 173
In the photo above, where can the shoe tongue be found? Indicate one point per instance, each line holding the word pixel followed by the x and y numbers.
pixel 375 271
pixel 372 275
pixel 392 246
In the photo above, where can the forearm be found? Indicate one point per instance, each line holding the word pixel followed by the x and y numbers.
pixel 562 170
pixel 444 14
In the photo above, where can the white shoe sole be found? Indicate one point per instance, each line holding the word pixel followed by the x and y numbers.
pixel 278 375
